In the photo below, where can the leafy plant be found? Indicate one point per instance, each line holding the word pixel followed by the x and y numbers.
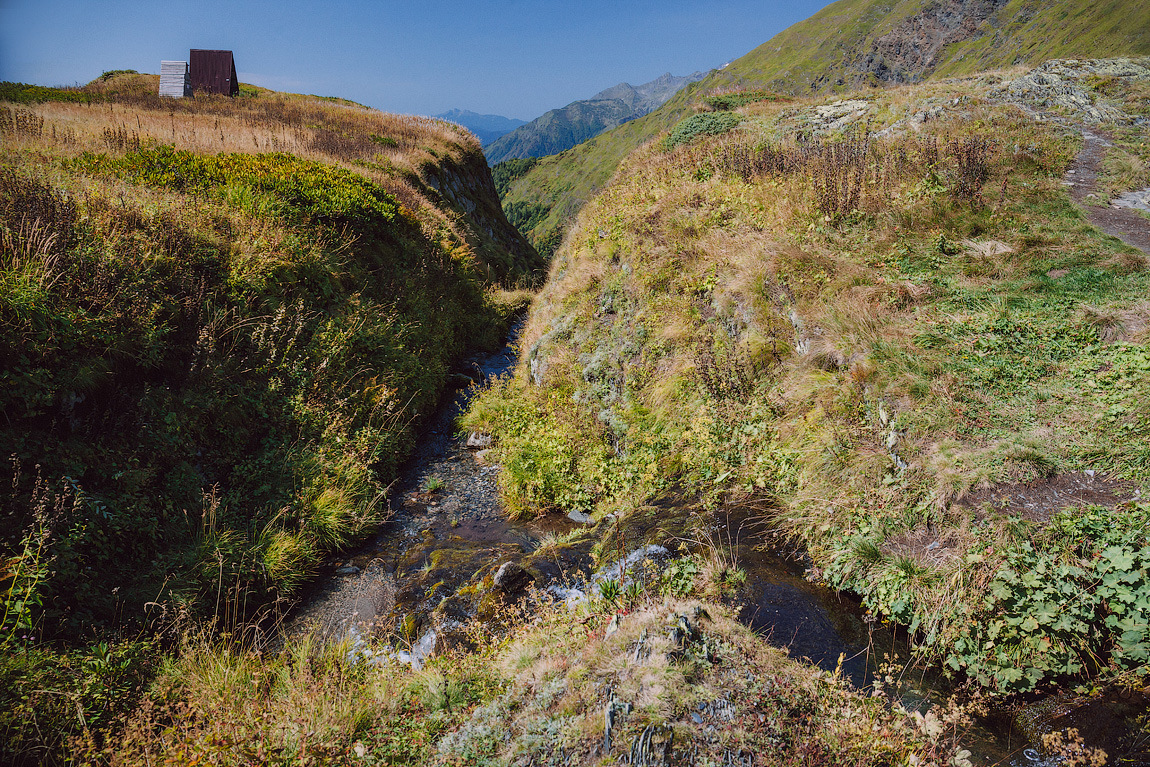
pixel 679 577
pixel 609 590
pixel 1046 616
pixel 633 592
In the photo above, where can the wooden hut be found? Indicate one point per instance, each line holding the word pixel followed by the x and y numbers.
pixel 214 72
pixel 174 79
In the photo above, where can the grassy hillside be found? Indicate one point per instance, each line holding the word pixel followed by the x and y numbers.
pixel 560 129
pixel 884 342
pixel 220 321
pixel 534 695
pixel 850 44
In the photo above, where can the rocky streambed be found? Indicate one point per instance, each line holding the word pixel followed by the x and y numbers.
pixel 449 555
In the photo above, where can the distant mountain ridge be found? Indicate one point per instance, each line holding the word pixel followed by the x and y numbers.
pixel 561 129
pixel 486 128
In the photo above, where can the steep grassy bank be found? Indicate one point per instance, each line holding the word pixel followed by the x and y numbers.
pixel 884 319
pixel 847 45
pixel 220 321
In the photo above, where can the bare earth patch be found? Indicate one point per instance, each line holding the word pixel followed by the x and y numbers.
pixel 1035 501
pixel 1125 223
pixel 1041 499
pixel 925 546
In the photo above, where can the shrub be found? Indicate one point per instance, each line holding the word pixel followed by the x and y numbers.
pixel 23 93
pixel 702 124
pixel 972 156
pixel 110 73
pixel 837 170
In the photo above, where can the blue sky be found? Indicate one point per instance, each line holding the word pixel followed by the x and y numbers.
pixel 512 57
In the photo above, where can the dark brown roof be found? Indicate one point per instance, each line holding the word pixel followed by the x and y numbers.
pixel 214 72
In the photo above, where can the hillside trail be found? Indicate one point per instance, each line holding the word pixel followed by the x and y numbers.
pixel 1125 223
pixel 1123 220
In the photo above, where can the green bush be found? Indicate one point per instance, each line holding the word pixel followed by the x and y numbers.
pixel 108 74
pixel 23 93
pixel 701 124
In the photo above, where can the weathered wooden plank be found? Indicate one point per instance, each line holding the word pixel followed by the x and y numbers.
pixel 174 80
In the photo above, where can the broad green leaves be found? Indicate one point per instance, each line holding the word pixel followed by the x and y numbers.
pixel 1043 617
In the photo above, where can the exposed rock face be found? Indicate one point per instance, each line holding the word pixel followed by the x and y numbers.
pixel 911 50
pixel 478 441
pixel 467 187
pixel 1057 84
pixel 511 578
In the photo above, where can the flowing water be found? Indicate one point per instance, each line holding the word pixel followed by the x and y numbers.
pixel 417 579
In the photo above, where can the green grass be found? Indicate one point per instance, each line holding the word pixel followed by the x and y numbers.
pixel 213 362
pixel 532 693
pixel 23 93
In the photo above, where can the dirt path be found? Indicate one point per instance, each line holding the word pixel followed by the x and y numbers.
pixel 1127 224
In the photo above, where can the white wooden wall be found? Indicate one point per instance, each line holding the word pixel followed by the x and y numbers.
pixel 174 79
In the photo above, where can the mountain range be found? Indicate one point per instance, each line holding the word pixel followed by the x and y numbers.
pixel 486 128
pixel 561 129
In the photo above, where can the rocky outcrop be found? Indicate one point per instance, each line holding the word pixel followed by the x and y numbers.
pixel 466 187
pixel 1059 84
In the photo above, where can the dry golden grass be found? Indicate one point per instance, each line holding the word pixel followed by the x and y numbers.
pixel 557 674
pixel 389 149
pixel 926 342
pixel 1130 325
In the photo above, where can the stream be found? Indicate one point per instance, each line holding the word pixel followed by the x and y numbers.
pixel 447 532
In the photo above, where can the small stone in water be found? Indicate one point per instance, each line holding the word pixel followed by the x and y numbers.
pixel 478 440
pixel 347 570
